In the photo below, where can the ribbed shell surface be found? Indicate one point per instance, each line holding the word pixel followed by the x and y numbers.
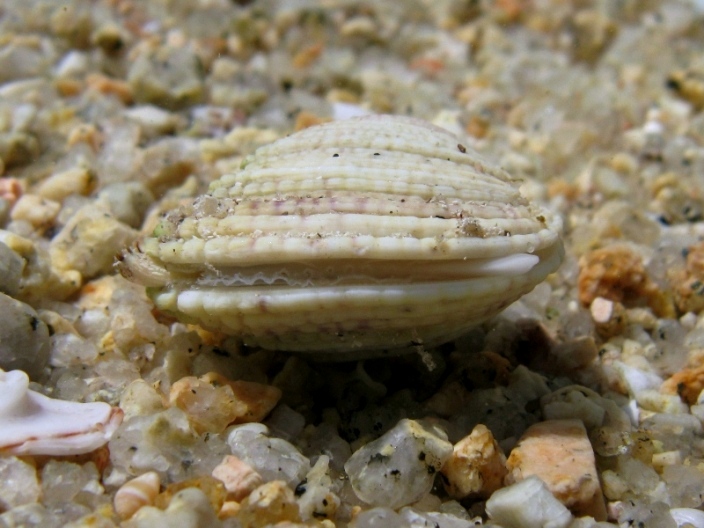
pixel 349 237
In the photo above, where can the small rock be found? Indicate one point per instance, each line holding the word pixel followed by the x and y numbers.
pixel 593 32
pixel 212 402
pixel 167 163
pixel 378 517
pixel 153 120
pixel 156 442
pixel 399 467
pixel 24 338
pixel 527 504
pixel 316 498
pixel 272 458
pixel 576 401
pixel 559 452
pixel 169 77
pixel 63 482
pixel 128 201
pixel 24 488
pixel 687 383
pixel 40 280
pixel 59 185
pixel 89 242
pixel 213 489
pixel 477 465
pixel 258 399
pixel 617 273
pixel 688 283
pixel 18 148
pixel 689 85
pixel 269 504
pixel 38 211
pixel 189 508
pixel 11 267
pixel 416 518
pixel 240 479
pixel 139 399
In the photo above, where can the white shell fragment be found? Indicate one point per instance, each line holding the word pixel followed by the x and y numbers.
pixel 371 233
pixel 34 424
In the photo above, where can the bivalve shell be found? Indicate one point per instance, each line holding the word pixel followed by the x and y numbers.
pixel 348 239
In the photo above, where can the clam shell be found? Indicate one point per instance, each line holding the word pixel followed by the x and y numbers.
pixel 360 235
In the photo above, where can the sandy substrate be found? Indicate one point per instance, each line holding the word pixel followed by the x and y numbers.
pixel 580 405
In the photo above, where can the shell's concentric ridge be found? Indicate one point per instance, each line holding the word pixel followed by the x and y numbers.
pixel 348 238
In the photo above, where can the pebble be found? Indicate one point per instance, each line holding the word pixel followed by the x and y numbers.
pixel 139 399
pixel 24 338
pixel 189 508
pixel 128 201
pixel 269 504
pixel 212 402
pixel 378 517
pixel 560 454
pixel 687 283
pixel 399 467
pixel 423 519
pixel 239 478
pixel 315 496
pixel 154 121
pixel 167 163
pixel 617 273
pixel 213 489
pixel 209 408
pixel 158 442
pixel 477 466
pixel 62 482
pixel 527 504
pixel 257 399
pixel 58 186
pixel 38 211
pixel 688 384
pixel 11 267
pixel 272 458
pixel 576 401
pixel 18 148
pixel 25 487
pixel 688 84
pixel 169 77
pixel 89 242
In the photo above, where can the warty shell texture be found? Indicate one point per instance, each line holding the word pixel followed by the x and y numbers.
pixel 348 239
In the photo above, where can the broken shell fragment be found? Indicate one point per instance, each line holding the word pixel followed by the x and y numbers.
pixel 34 424
pixel 136 493
pixel 351 237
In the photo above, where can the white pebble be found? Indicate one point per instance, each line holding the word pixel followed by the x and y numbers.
pixel 527 504
pixel 399 467
pixel 272 458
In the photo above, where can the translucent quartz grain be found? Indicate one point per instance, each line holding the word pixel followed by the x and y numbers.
pixel 399 467
pixel 272 458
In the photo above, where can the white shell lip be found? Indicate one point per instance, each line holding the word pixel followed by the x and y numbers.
pixel 373 233
pixel 34 424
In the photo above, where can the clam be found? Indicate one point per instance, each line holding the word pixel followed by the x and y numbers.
pixel 349 239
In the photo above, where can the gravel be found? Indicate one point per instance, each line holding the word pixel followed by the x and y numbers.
pixel 113 112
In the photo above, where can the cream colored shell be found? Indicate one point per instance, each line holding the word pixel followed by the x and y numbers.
pixel 350 238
